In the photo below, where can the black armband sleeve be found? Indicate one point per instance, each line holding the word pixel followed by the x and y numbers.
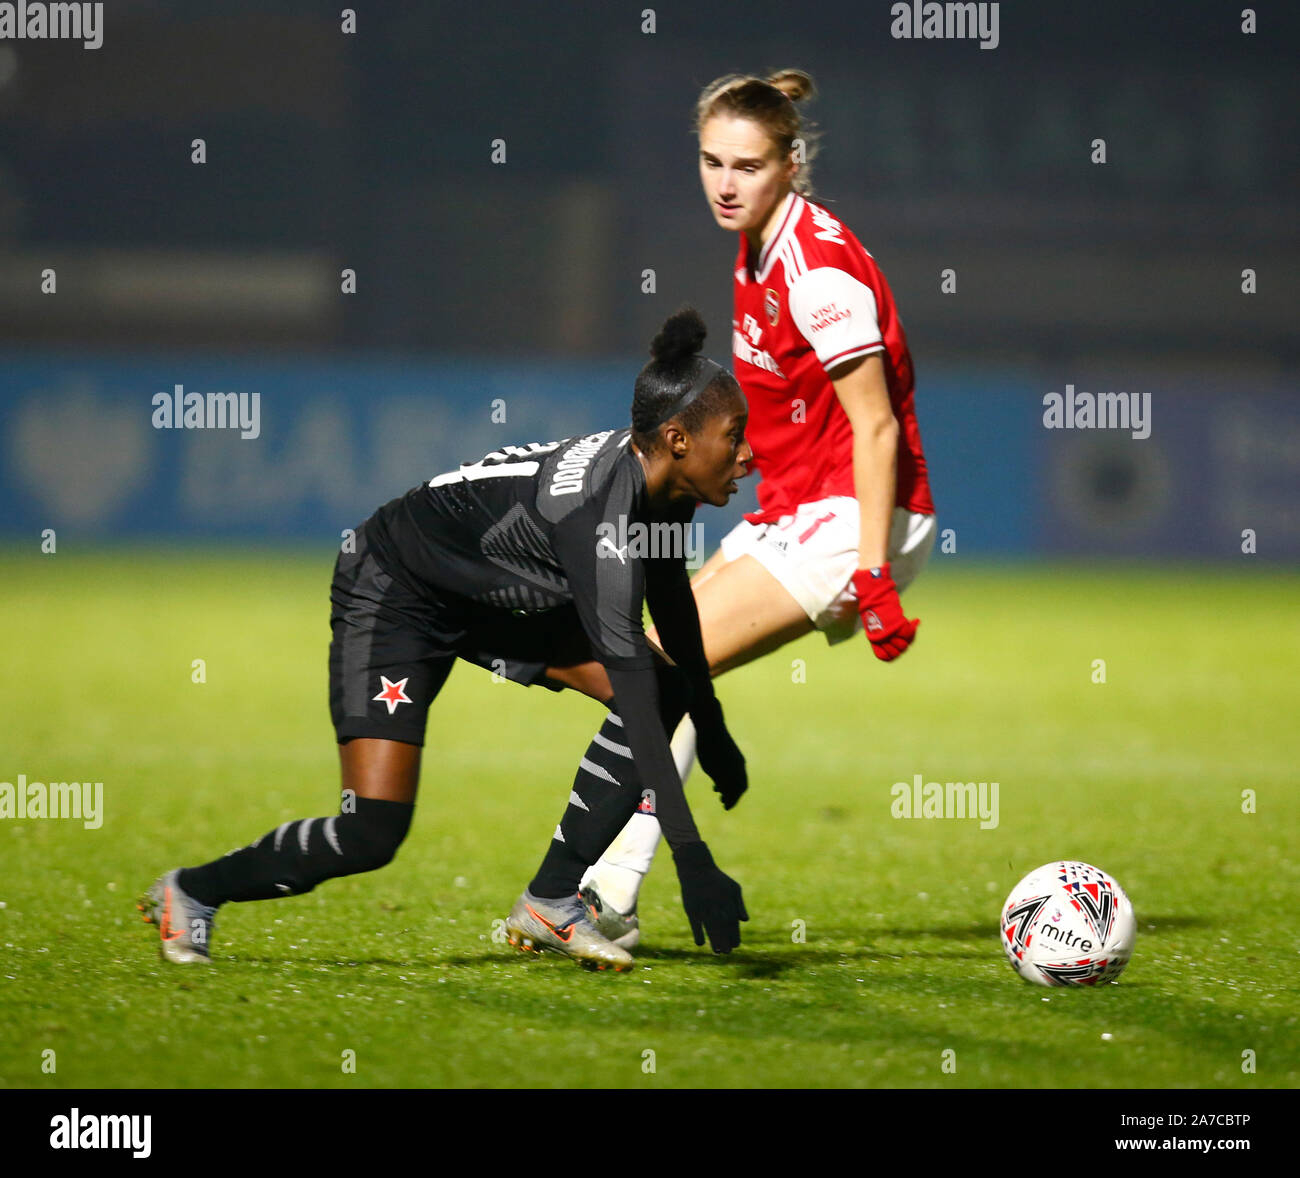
pixel 607 583
pixel 637 695
pixel 672 606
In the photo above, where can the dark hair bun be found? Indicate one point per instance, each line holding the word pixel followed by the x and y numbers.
pixel 679 338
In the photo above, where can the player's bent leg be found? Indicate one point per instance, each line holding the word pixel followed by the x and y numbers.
pixel 606 791
pixel 379 786
pixel 612 885
pixel 745 612
pixel 619 927
pixel 590 678
pixel 613 907
pixel 718 560
pixel 387 770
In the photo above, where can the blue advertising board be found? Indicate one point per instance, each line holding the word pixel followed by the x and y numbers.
pixel 98 446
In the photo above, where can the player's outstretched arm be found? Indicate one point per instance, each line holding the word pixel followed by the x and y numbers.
pixel 713 901
pixel 609 593
pixel 672 605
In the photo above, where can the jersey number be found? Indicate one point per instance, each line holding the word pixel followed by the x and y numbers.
pixel 508 462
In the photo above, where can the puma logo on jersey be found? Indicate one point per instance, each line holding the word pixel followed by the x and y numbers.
pixel 621 553
pixel 651 540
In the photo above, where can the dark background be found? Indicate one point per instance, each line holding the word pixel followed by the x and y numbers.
pixel 374 151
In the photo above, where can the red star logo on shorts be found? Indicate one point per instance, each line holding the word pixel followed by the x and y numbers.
pixel 393 693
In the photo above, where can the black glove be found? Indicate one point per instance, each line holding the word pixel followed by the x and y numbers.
pixel 712 900
pixel 718 755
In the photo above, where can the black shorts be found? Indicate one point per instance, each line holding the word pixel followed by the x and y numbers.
pixel 392 648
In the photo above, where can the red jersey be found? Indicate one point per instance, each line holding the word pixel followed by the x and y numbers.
pixel 812 299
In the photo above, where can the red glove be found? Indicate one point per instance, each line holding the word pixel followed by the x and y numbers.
pixel 882 613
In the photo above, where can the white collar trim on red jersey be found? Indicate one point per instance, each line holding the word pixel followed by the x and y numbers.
pixel 794 206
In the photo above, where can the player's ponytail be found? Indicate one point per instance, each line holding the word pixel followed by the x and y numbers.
pixel 678 384
pixel 794 84
pixel 679 338
pixel 769 102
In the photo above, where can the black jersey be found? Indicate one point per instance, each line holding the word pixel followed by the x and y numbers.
pixel 534 527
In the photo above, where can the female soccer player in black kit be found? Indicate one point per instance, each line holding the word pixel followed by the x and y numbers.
pixel 513 563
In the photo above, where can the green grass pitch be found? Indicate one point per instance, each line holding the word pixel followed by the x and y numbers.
pixel 897 979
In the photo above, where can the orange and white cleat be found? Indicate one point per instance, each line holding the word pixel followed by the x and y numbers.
pixel 184 924
pixel 563 926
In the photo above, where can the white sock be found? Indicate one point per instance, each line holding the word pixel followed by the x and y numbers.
pixel 620 871
pixel 683 746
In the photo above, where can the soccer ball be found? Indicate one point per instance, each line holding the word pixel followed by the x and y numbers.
pixel 1068 924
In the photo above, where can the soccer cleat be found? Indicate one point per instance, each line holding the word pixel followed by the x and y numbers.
pixel 562 926
pixel 184 924
pixel 622 928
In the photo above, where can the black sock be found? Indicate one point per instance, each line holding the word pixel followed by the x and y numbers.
pixel 296 856
pixel 606 793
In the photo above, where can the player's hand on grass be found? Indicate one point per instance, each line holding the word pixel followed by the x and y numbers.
pixel 712 900
pixel 889 632
pixel 718 754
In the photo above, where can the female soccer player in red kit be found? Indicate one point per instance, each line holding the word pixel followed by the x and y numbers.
pixel 845 517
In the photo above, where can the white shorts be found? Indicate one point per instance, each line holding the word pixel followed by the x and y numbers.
pixel 814 554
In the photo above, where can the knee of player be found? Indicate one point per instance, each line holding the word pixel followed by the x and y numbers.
pixel 375 831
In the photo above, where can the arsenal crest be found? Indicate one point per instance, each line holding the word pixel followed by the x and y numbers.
pixel 772 305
